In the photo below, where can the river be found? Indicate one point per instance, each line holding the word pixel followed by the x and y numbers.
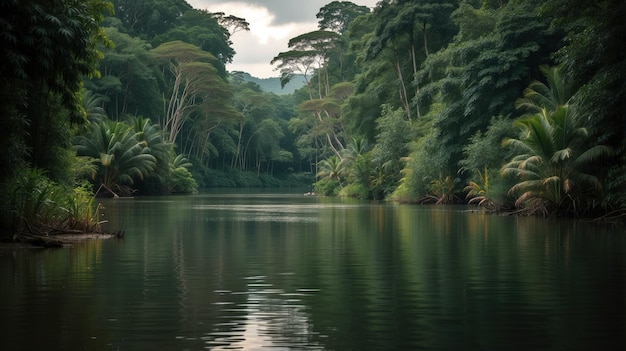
pixel 282 271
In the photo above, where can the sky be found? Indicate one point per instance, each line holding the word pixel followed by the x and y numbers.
pixel 272 24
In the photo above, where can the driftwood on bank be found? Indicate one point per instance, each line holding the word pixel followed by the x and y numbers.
pixel 45 235
pixel 103 189
pixel 61 239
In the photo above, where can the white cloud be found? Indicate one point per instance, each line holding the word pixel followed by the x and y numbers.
pixel 270 29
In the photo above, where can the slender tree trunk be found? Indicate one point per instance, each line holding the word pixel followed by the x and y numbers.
pixel 238 150
pixel 415 79
pixel 403 90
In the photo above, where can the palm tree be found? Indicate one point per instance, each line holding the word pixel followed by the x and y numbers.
pixel 180 179
pixel 554 154
pixel 557 92
pixel 155 141
pixel 443 191
pixel 92 104
pixel 552 163
pixel 120 156
pixel 356 148
pixel 331 168
pixel 479 192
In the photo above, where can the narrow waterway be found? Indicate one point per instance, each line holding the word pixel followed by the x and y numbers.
pixel 275 271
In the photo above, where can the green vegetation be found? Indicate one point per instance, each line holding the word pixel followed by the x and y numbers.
pixel 409 102
pixel 493 103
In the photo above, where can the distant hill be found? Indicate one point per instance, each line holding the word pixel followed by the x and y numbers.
pixel 272 85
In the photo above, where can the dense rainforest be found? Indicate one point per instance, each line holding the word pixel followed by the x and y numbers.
pixel 512 105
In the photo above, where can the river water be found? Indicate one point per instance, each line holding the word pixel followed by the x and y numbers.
pixel 283 271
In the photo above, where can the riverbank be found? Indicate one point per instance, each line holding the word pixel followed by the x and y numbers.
pixel 53 240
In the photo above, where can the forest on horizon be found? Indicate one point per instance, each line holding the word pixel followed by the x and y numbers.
pixel 512 105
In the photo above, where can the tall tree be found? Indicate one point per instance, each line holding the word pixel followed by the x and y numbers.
pixel 309 51
pixel 129 81
pixel 337 15
pixel 254 105
pixel 328 126
pixel 477 79
pixel 410 26
pixel 204 30
pixel 48 46
pixel 197 89
pixel 148 18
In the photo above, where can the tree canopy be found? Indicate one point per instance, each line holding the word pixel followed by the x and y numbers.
pixel 409 101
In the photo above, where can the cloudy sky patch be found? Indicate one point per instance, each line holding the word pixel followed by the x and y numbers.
pixel 272 24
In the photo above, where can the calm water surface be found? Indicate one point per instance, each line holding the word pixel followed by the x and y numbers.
pixel 270 271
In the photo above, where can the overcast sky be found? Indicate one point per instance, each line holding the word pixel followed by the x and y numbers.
pixel 272 24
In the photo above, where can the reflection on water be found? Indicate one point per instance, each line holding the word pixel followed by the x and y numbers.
pixel 288 272
pixel 265 213
pixel 269 318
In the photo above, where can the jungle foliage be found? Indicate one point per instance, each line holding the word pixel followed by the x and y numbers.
pixel 512 105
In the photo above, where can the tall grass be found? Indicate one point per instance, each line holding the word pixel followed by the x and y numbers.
pixel 36 205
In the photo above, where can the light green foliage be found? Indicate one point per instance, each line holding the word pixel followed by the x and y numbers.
pixel 122 158
pixel 484 149
pixel 180 179
pixel 331 168
pixel 443 191
pixel 330 175
pixel 325 120
pixel 131 155
pixel 356 190
pixel 198 100
pixel 552 165
pixel 479 191
pixel 391 146
pixel 473 22
pixel 327 187
pixel 34 204
pixel 151 135
pixel 360 170
pixel 483 155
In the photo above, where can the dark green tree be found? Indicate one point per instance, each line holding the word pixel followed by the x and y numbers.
pixel 555 162
pixel 204 30
pixel 129 81
pixel 48 47
pixel 416 27
pixel 479 78
pixel 149 18
pixel 337 15
pixel 592 56
pixel 308 54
